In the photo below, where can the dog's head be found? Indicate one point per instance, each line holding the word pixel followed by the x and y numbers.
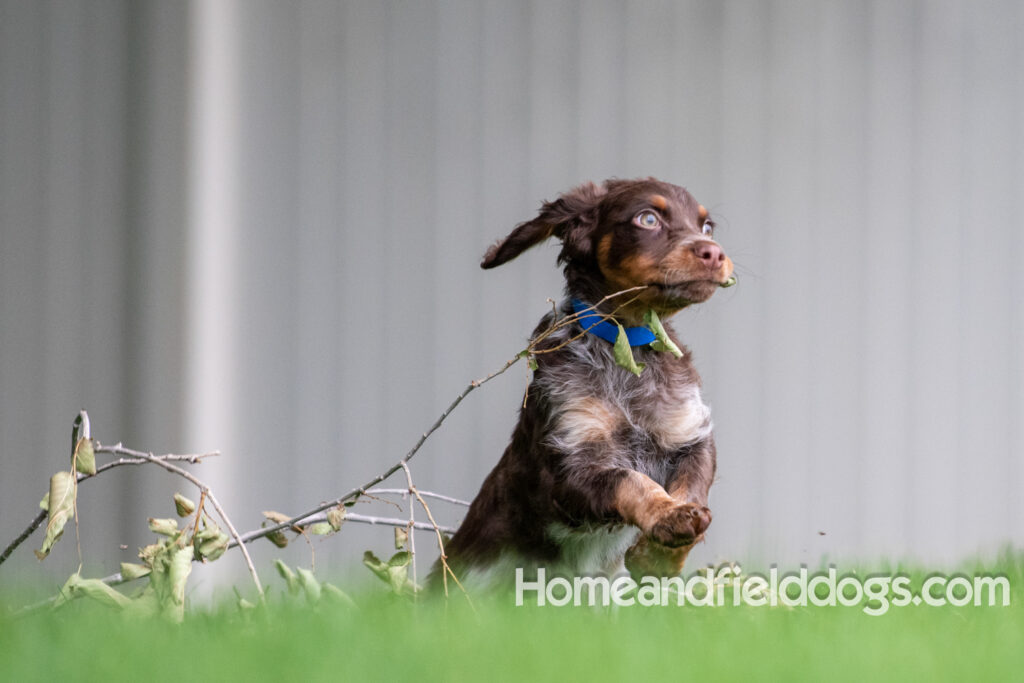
pixel 626 234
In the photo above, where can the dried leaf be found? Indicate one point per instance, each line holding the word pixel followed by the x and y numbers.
pixel 84 457
pixel 276 517
pixel 61 508
pixel 183 505
pixel 336 517
pixel 624 354
pixel 401 537
pixel 278 538
pixel 664 343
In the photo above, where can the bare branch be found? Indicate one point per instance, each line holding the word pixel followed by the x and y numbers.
pixel 213 501
pixel 40 518
pixel 425 494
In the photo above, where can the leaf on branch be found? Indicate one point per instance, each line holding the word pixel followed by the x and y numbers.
pixel 336 517
pixel 61 508
pixel 320 529
pixel 164 527
pixel 401 537
pixel 84 457
pixel 276 517
pixel 374 564
pixel 624 354
pixel 278 538
pixel 183 505
pixel 664 343
pixel 131 571
pixel 395 572
pixel 210 543
pixel 95 589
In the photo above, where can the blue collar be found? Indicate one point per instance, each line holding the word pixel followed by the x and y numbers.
pixel 592 322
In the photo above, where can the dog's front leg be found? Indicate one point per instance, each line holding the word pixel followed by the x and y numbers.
pixel 688 486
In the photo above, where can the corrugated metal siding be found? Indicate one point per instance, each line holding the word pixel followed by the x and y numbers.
pixel 256 227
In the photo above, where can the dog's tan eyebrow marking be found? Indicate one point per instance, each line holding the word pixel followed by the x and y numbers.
pixel 659 202
pixel 702 212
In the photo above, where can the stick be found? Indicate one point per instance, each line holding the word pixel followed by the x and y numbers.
pixel 115 450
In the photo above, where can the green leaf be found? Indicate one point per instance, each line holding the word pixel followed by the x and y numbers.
pixel 401 559
pixel 624 354
pixel 164 527
pixel 320 529
pixel 44 504
pixel 532 362
pixel 61 508
pixel 335 517
pixel 183 505
pixel 130 571
pixel 84 457
pixel 96 590
pixel 398 577
pixel 374 564
pixel 179 567
pixel 664 343
pixel 309 584
pixel 289 577
pixel 730 282
pixel 401 537
pixel 210 543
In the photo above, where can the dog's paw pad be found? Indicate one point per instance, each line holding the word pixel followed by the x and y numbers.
pixel 681 525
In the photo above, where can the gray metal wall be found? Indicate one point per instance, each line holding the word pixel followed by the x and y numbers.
pixel 255 227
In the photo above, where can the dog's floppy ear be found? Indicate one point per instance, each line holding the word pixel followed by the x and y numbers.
pixel 569 217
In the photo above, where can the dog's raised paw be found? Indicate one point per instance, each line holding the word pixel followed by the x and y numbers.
pixel 681 525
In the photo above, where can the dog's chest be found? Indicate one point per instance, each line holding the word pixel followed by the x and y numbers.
pixel 637 417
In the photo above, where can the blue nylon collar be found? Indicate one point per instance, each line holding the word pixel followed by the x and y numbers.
pixel 592 322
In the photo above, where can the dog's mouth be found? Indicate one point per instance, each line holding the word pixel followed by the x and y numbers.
pixel 690 291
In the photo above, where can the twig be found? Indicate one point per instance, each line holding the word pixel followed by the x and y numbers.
pixel 410 536
pixel 446 571
pixel 425 494
pixel 38 520
pixel 382 521
pixel 368 486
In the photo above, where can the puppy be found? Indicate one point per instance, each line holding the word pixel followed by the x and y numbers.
pixel 605 467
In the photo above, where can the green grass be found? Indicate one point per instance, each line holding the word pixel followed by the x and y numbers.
pixel 387 638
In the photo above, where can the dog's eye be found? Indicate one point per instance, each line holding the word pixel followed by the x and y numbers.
pixel 708 228
pixel 647 219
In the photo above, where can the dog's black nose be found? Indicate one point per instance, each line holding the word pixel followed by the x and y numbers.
pixel 709 253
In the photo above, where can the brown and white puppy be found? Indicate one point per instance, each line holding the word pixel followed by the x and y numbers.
pixel 604 465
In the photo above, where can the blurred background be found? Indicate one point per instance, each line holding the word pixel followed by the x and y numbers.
pixel 255 227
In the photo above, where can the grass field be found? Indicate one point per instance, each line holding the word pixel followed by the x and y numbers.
pixel 388 638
